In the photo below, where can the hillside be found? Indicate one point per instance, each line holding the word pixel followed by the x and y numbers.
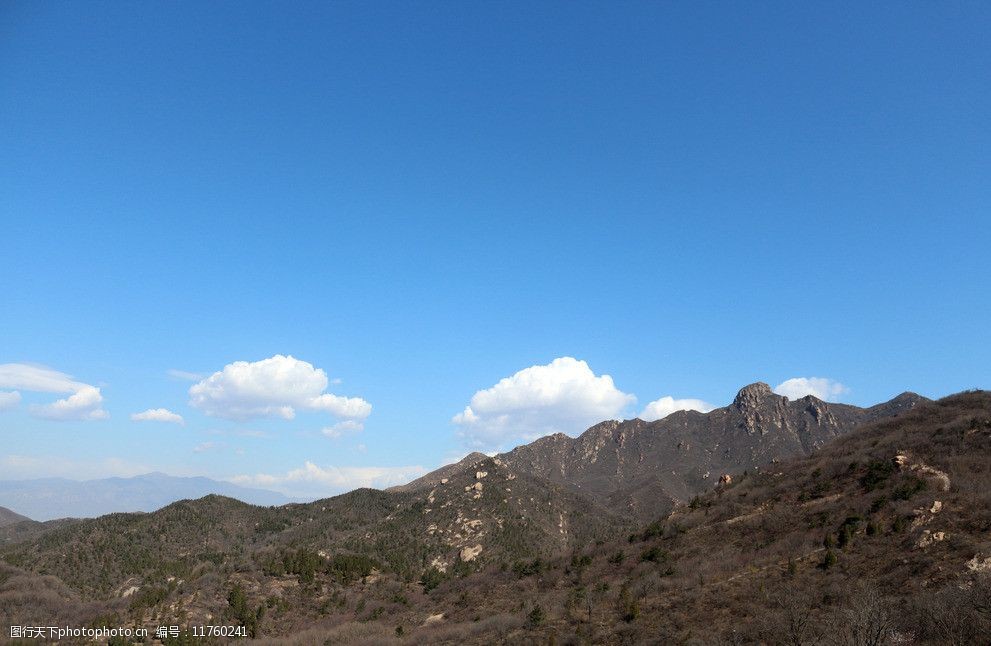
pixel 887 527
pixel 884 530
pixel 8 517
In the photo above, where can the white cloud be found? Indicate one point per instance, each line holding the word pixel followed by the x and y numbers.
pixel 84 403
pixel 184 375
pixel 661 408
pixel 158 415
pixel 340 429
pixel 273 387
pixel 312 481
pixel 9 400
pixel 206 446
pixel 821 387
pixel 562 396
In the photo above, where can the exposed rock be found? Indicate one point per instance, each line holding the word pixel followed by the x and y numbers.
pixel 928 538
pixel 434 619
pixel 469 554
pixel 977 564
pixel 753 395
pixel 937 477
pixel 440 564
pixel 481 474
pixel 443 480
pixel 936 508
pixel 725 479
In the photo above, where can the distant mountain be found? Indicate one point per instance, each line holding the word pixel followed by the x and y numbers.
pixel 50 498
pixel 8 517
pixel 643 468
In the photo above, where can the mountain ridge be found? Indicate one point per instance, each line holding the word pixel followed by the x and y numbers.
pixel 645 468
pixel 892 516
pixel 10 517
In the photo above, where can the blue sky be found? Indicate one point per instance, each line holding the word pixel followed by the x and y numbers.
pixel 423 199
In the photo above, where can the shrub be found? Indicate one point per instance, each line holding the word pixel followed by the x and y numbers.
pixel 432 578
pixel 536 616
pixel 528 568
pixel 877 472
pixel 899 525
pixel 878 504
pixel 240 611
pixel 909 488
pixel 629 608
pixel 654 554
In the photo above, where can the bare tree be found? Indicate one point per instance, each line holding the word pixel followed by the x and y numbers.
pixel 795 620
pixel 868 619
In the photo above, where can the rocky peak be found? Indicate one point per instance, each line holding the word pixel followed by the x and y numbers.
pixel 606 428
pixel 761 410
pixel 752 396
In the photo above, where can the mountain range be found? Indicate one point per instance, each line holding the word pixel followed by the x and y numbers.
pixel 642 469
pixel 715 527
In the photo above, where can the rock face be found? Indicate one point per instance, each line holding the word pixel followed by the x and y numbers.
pixel 644 468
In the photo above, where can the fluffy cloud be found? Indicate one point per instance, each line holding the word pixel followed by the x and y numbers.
pixel 83 403
pixel 821 387
pixel 9 400
pixel 158 415
pixel 661 408
pixel 312 481
pixel 273 387
pixel 562 396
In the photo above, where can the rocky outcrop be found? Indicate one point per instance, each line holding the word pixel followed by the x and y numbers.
pixel 643 469
pixel 935 476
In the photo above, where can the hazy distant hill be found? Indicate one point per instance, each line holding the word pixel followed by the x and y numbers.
pixel 49 498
